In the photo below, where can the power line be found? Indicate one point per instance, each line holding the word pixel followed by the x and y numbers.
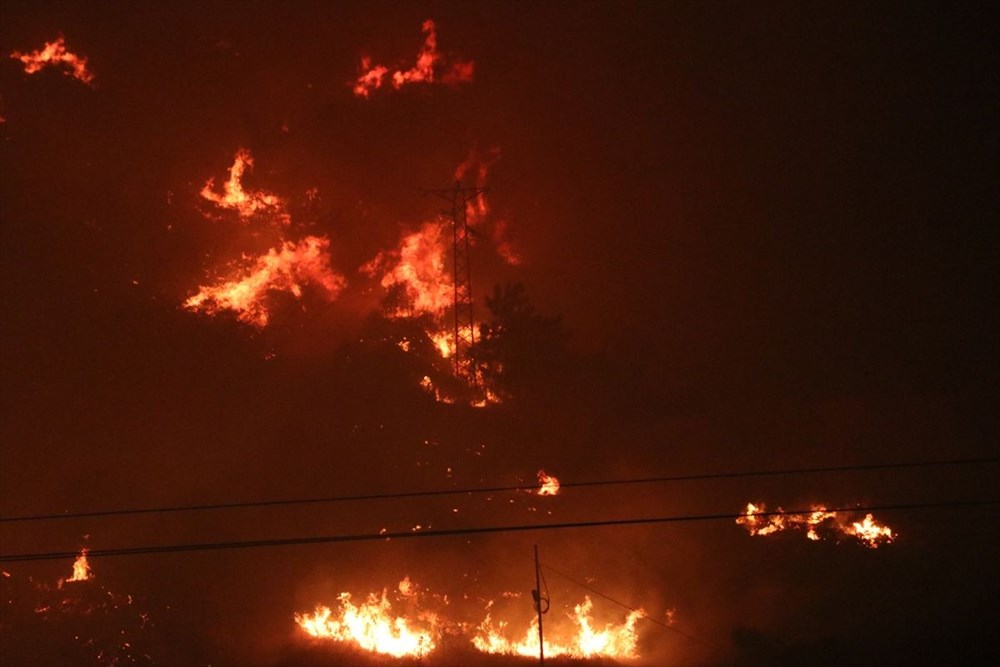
pixel 642 614
pixel 478 530
pixel 395 495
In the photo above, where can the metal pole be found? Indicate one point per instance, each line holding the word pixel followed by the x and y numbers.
pixel 537 594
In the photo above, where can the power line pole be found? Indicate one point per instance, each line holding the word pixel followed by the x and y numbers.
pixel 464 336
pixel 539 599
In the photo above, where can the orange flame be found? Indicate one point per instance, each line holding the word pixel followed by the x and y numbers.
pixel 870 533
pixel 54 54
pixel 548 484
pixel 419 268
pixel 428 58
pixel 820 520
pixel 81 568
pixel 288 268
pixel 372 626
pixel 614 641
pixel 234 197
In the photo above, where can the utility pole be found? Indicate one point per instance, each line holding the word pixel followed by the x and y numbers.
pixel 539 599
pixel 464 333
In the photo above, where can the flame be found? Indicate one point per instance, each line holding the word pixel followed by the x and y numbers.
pixel 819 521
pixel 505 248
pixel 81 568
pixel 423 70
pixel 287 268
pixel 614 641
pixel 372 626
pixel 477 163
pixel 870 533
pixel 548 484
pixel 418 267
pixel 234 197
pixel 54 54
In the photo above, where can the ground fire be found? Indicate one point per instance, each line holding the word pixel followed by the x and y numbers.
pixel 819 524
pixel 615 641
pixel 380 625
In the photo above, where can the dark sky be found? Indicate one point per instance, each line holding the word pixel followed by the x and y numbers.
pixel 769 226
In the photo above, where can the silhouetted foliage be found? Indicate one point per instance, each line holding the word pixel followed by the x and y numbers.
pixel 520 351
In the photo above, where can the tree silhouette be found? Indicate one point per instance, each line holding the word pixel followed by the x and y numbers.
pixel 520 352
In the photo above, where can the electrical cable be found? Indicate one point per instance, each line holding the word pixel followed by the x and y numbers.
pixel 494 489
pixel 641 613
pixel 476 530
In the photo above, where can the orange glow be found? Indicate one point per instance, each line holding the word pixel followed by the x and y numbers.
pixel 505 248
pixel 817 523
pixel 477 164
pixel 372 626
pixel 419 268
pixel 288 268
pixel 423 71
pixel 615 641
pixel 870 533
pixel 235 197
pixel 81 569
pixel 548 484
pixel 54 54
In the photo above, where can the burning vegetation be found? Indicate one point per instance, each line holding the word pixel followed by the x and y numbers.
pixel 77 621
pixel 56 55
pixel 431 66
pixel 401 623
pixel 819 524
pixel 292 266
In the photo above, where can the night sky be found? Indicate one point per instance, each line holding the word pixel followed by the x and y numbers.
pixel 769 231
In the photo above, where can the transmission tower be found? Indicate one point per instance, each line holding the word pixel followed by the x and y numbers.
pixel 464 335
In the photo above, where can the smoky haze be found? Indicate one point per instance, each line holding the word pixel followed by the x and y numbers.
pixel 766 229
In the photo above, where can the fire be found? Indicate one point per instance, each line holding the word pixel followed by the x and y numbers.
pixel 418 268
pixel 235 197
pixel 54 54
pixel 478 163
pixel 423 70
pixel 548 484
pixel 819 521
pixel 373 627
pixel 81 568
pixel 870 533
pixel 616 641
pixel 288 268
pixel 444 342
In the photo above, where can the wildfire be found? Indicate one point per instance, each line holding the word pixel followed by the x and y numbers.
pixel 819 521
pixel 235 197
pixel 548 484
pixel 81 569
pixel 373 627
pixel 418 269
pixel 288 268
pixel 423 70
pixel 54 54
pixel 616 641
pixel 869 532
